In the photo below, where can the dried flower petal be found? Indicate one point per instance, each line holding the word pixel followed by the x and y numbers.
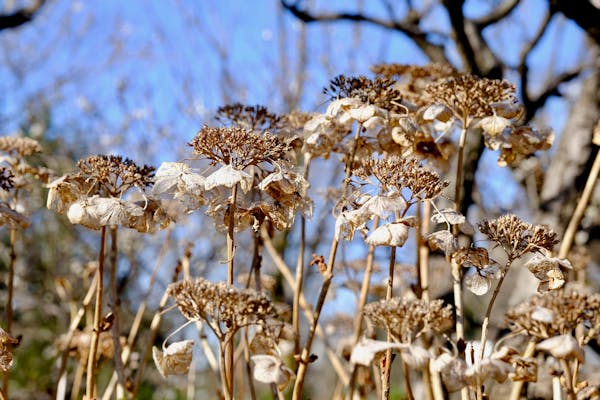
pixel 390 234
pixel 452 369
pixel 366 349
pixel 270 369
pixel 547 270
pixel 449 216
pixel 6 357
pixel 444 241
pixel 562 347
pixel 175 359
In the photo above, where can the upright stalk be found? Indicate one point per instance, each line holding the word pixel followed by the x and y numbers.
pixel 90 388
pixel 327 278
pixel 362 301
pixel 230 233
pixel 115 300
pixel 9 299
pixel 299 271
pixel 387 369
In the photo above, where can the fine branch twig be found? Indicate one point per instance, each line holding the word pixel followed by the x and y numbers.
pixel 116 328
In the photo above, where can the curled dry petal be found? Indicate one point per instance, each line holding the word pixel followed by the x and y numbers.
pixel 476 283
pixel 270 369
pixel 547 270
pixel 96 212
pixel 229 176
pixel 562 347
pixel 177 178
pixel 444 241
pixel 494 125
pixel 448 215
pixel 366 349
pixel 383 206
pixel 390 234
pixel 175 359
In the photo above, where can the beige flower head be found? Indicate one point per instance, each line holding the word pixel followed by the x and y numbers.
pixel 254 118
pixel 220 304
pixel 19 146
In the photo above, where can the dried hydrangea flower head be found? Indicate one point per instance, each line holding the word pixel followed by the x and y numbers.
pixel 468 96
pixel 396 173
pixel 408 318
pixel 219 304
pixel 411 80
pixel 379 92
pixel 238 147
pixel 517 237
pixel 19 146
pixel 112 176
pixel 253 118
pixel 556 313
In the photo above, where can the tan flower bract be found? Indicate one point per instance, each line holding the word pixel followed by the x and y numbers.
pixel 175 359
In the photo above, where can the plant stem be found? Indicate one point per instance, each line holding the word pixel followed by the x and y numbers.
pixel 116 328
pixel 568 379
pixel 90 388
pixel 387 370
pixel 327 278
pixel 362 301
pixel 9 300
pixel 423 249
pixel 230 238
pixel 406 375
pixel 486 322
pixel 300 270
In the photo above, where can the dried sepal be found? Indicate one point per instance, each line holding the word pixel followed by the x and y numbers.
pixel 96 212
pixel 390 234
pixel 563 347
pixel 6 357
pixel 175 359
pixel 366 349
pixel 177 179
pixel 479 280
pixel 494 125
pixel 452 370
pixel 548 271
pixel 444 241
pixel 228 176
pixel 271 369
pixel 448 216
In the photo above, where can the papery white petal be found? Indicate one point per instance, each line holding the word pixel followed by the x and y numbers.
pixel 542 314
pixel 448 215
pixel 562 347
pixel 390 234
pixel 366 349
pixel 416 357
pixel 270 369
pixel 494 125
pixel 176 358
pixel 229 176
pixel 384 205
pixel 477 284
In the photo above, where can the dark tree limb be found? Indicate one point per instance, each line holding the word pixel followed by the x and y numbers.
pixel 433 51
pixel 21 16
pixel 583 13
pixel 496 15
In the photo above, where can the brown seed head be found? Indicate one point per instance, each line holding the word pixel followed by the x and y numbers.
pixel 21 146
pixel 379 91
pixel 254 118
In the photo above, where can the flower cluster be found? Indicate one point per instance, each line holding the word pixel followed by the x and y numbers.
pixel 220 304
pixel 406 319
pixel 556 313
pixel 94 196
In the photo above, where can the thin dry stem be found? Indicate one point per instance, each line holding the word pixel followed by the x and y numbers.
pixel 9 299
pixel 362 300
pixel 116 328
pixel 91 366
pixel 515 392
pixel 387 369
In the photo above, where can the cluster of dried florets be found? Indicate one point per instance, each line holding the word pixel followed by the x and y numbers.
pixel 238 147
pixel 15 176
pixel 517 237
pixel 219 304
pixel 407 318
pixel 254 118
pixel 379 92
pixel 95 196
pixel 468 96
pixel 556 313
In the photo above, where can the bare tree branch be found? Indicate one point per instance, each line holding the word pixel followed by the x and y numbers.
pixel 496 15
pixel 433 51
pixel 21 16
pixel 583 13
